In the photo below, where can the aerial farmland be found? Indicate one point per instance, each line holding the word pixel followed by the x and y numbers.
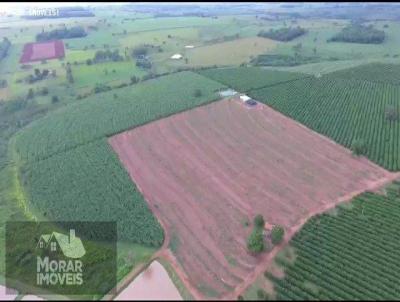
pixel 194 152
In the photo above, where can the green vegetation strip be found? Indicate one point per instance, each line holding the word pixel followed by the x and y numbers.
pixel 247 78
pixel 350 255
pixel 186 295
pixel 374 72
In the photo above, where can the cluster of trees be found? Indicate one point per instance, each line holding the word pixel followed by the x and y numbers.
pixel 283 34
pixel 4 47
pixel 40 91
pixel 98 88
pixel 255 241
pixel 64 33
pixel 139 53
pixel 38 75
pixel 105 55
pixel 284 60
pixel 358 33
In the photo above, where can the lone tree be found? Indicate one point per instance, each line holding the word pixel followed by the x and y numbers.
pixel 259 221
pixel 277 234
pixel 54 99
pixel 358 147
pixel 198 93
pixel 255 242
pixel 262 294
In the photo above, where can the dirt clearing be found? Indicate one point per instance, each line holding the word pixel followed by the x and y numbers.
pixel 42 51
pixel 205 171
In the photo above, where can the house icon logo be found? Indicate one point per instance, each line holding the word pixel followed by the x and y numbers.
pixel 70 245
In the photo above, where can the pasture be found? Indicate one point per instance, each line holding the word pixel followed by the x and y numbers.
pixel 229 53
pixel 205 171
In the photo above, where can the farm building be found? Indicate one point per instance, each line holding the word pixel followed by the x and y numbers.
pixel 227 92
pixel 189 46
pixel 244 98
pixel 176 56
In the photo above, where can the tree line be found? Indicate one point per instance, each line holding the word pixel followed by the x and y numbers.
pixel 64 33
pixel 357 33
pixel 283 34
pixel 4 47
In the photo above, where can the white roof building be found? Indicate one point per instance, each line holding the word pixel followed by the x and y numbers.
pixel 176 56
pixel 189 46
pixel 244 98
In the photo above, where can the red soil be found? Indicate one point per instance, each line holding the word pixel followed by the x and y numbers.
pixel 42 51
pixel 206 171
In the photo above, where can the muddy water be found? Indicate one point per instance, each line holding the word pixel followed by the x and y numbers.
pixel 10 295
pixel 31 298
pixel 152 284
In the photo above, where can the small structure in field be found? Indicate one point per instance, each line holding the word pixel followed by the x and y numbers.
pixel 227 92
pixel 189 46
pixel 244 98
pixel 177 56
pixel 251 103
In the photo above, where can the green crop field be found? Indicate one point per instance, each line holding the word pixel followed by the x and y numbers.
pixel 247 78
pixel 348 254
pixel 374 72
pixel 88 183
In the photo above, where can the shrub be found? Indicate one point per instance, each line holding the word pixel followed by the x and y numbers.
pixel 277 234
pixel 259 221
pixel 54 99
pixel 261 294
pixel 358 147
pixel 198 93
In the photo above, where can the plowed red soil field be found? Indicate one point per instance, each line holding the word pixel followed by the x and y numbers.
pixel 42 51
pixel 207 171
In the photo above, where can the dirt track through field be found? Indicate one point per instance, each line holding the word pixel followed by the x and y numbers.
pixel 206 171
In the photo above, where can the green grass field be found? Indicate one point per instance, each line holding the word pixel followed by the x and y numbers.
pixel 350 254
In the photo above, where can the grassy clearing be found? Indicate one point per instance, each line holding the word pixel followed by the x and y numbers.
pixel 229 53
pixel 85 75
